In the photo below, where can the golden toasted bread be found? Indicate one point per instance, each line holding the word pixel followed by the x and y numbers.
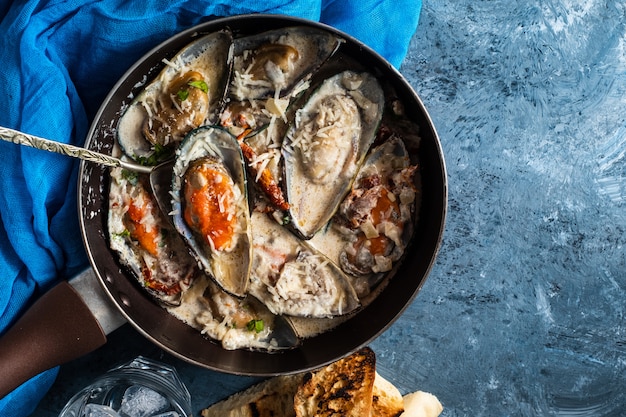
pixel 348 387
pixel 270 398
pixel 386 399
pixel 343 388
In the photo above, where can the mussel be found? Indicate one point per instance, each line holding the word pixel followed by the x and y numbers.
pixel 145 240
pixel 189 92
pixel 210 206
pixel 376 218
pixel 235 322
pixel 272 63
pixel 292 278
pixel 270 70
pixel 325 146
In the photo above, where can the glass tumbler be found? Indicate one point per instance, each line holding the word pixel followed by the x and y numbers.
pixel 139 388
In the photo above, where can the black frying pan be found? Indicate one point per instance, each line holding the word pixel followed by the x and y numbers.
pixel 172 335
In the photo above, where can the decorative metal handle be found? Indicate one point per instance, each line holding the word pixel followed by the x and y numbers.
pixel 20 138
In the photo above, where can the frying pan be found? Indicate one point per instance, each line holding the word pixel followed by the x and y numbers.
pixel 184 342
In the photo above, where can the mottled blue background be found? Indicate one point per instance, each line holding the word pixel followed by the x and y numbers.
pixel 523 313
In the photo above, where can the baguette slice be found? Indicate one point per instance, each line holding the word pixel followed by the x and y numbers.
pixel 270 398
pixel 386 399
pixel 343 388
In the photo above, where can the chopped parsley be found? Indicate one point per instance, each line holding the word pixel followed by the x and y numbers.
pixel 183 94
pixel 130 176
pixel 255 325
pixel 160 154
pixel 200 84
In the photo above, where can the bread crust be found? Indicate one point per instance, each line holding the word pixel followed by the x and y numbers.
pixel 387 400
pixel 343 388
pixel 270 398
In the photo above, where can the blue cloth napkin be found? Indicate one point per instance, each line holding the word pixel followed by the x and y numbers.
pixel 59 60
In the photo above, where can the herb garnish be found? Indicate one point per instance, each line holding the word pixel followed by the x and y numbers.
pixel 255 325
pixel 183 94
pixel 200 84
pixel 130 176
pixel 161 153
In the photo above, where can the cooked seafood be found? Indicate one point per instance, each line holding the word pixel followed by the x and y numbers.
pixel 187 93
pixel 327 216
pixel 292 278
pixel 271 64
pixel 145 240
pixel 270 69
pixel 237 323
pixel 211 208
pixel 260 147
pixel 325 146
pixel 377 215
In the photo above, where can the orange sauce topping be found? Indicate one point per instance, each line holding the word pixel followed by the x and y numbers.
pixel 146 235
pixel 208 206
pixel 384 207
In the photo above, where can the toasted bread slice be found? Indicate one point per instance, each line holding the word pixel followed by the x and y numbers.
pixel 348 387
pixel 270 398
pixel 343 388
pixel 421 404
pixel 386 399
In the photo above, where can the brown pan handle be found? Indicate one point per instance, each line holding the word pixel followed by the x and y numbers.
pixel 59 327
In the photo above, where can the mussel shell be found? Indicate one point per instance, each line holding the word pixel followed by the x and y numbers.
pixel 229 269
pixel 164 275
pixel 211 55
pixel 231 320
pixel 355 222
pixel 294 279
pixel 312 48
pixel 314 193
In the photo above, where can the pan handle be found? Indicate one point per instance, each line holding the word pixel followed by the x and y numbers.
pixel 59 327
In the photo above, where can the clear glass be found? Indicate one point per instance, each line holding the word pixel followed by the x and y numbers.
pixel 140 388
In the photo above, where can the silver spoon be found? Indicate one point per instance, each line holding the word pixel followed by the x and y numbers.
pixel 160 175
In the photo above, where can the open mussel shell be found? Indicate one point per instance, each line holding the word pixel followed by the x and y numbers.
pixel 277 60
pixel 294 279
pixel 145 240
pixel 376 217
pixel 187 93
pixel 235 322
pixel 325 146
pixel 210 206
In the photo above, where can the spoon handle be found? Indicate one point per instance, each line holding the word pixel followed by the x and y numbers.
pixel 21 138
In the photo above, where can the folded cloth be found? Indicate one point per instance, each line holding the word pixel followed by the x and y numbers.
pixel 59 60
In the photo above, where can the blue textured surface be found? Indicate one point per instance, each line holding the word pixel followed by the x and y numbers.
pixel 523 314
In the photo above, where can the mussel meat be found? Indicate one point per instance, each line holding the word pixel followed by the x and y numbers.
pixel 145 240
pixel 376 217
pixel 292 278
pixel 325 146
pixel 210 206
pixel 189 92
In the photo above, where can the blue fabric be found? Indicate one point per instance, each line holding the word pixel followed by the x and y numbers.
pixel 59 59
